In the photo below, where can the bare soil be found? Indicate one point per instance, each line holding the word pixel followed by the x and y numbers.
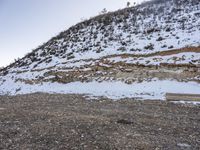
pixel 44 121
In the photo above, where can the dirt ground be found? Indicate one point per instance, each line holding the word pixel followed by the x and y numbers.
pixel 44 121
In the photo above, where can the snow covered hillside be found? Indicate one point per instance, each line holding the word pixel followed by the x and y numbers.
pixel 134 52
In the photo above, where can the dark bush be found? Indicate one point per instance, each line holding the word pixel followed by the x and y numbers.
pixel 170 47
pixel 160 39
pixel 149 47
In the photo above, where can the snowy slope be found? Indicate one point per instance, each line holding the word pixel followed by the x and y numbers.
pixel 155 40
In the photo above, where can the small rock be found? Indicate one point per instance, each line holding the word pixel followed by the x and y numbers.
pixel 122 121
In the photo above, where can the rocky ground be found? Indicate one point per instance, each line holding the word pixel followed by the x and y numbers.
pixel 44 121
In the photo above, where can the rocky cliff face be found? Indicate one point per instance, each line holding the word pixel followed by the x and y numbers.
pixel 153 42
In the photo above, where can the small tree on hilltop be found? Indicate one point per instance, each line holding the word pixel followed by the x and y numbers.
pixel 104 11
pixel 128 4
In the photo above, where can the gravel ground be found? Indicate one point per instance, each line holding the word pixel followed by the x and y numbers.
pixel 44 121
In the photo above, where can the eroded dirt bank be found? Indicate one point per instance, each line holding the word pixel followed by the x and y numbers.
pixel 44 121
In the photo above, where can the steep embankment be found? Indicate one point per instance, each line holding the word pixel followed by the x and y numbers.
pixel 143 51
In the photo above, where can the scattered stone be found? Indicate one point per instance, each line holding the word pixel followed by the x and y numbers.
pixel 123 121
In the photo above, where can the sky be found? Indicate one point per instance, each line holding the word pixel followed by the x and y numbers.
pixel 26 24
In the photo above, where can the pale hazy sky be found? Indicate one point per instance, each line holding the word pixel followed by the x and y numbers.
pixel 26 24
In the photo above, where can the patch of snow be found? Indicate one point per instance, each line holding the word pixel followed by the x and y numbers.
pixel 186 102
pixel 155 89
pixel 184 145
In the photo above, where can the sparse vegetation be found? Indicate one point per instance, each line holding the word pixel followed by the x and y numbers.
pixel 170 47
pixel 160 39
pixel 149 47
